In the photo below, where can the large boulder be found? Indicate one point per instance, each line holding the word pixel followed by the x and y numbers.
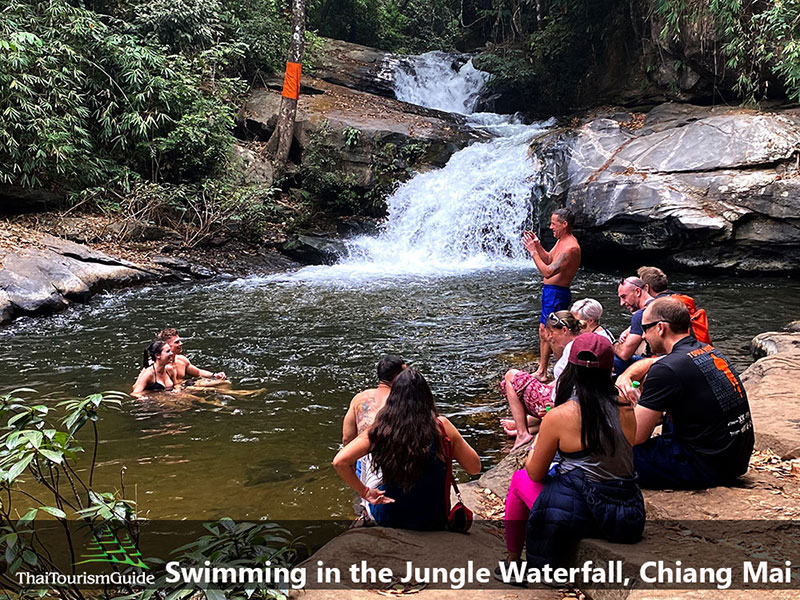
pixel 40 281
pixel 361 136
pixel 772 388
pixel 691 186
pixel 314 250
pixel 357 67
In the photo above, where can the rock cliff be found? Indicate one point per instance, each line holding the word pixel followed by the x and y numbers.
pixel 692 187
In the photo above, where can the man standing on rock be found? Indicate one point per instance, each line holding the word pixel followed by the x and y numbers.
pixel 707 434
pixel 558 267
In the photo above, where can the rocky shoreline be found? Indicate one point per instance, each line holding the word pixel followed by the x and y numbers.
pixel 41 274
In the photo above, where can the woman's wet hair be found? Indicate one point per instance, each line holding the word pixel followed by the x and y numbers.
pixel 389 367
pixel 150 353
pixel 405 430
pixel 597 398
pixel 563 319
pixel 588 309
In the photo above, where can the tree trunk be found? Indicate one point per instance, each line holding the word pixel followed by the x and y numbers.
pixel 281 139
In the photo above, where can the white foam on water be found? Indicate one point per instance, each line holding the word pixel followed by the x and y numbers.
pixel 465 217
pixel 434 80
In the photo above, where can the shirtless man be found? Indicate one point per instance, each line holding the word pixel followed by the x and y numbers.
pixel 557 267
pixel 361 415
pixel 183 367
pixel 365 405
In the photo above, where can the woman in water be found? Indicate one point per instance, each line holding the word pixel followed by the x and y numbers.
pixel 588 312
pixel 528 398
pixel 157 374
pixel 409 443
pixel 591 491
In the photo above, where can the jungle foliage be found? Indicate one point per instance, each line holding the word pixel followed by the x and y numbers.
pixel 124 95
pixel 760 40
pixel 42 482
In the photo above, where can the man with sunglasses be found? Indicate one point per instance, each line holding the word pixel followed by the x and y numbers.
pixel 707 432
pixel 558 267
pixel 634 296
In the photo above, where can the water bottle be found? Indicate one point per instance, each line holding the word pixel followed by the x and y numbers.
pixel 636 392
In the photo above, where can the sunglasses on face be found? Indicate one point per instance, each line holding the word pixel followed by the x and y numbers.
pixel 646 326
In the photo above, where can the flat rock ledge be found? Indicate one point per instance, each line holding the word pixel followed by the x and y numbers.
pixel 46 280
pixel 701 528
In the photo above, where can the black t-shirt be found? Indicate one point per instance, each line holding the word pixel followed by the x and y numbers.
pixel 702 393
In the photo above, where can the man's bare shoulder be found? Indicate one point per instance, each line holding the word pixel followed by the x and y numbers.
pixel 361 396
pixel 182 360
pixel 569 244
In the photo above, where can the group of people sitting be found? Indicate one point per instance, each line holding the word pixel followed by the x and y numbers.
pixel 595 423
pixel 165 368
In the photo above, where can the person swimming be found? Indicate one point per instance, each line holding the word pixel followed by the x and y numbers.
pixel 157 374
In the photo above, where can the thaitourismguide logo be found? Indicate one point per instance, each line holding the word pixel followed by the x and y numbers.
pixel 106 547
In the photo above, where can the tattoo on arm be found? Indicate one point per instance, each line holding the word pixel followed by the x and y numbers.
pixel 556 265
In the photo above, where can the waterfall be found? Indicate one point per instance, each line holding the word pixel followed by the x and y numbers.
pixel 467 215
pixel 433 80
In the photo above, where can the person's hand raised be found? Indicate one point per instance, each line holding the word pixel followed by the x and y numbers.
pixel 529 240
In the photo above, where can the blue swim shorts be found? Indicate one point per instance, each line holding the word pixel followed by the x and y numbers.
pixel 554 299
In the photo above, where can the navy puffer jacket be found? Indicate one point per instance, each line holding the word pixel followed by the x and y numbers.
pixel 570 508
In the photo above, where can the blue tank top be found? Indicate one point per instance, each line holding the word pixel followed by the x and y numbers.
pixel 422 507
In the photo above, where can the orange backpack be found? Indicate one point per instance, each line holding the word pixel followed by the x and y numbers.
pixel 697 318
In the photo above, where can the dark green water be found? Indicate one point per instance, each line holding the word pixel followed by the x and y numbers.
pixel 309 344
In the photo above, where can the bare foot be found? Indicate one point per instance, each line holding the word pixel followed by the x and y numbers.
pixel 526 438
pixel 539 376
pixel 509 426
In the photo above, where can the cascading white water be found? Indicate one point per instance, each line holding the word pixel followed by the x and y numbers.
pixel 467 215
pixel 431 80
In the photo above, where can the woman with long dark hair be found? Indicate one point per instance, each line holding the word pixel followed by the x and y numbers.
pixel 579 479
pixel 157 374
pixel 409 443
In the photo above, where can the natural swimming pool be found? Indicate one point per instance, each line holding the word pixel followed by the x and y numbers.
pixel 309 342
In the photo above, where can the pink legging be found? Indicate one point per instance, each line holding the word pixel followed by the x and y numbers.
pixel 522 493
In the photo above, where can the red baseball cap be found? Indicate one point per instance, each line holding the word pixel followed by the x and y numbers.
pixel 591 350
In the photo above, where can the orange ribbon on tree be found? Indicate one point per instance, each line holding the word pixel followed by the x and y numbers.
pixel 291 81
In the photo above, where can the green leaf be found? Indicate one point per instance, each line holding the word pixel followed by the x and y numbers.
pixel 56 512
pixel 52 455
pixel 17 469
pixel 28 516
pixel 215 594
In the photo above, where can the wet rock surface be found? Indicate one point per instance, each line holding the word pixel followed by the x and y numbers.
pixel 694 187
pixel 314 250
pixel 41 281
pixel 357 67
